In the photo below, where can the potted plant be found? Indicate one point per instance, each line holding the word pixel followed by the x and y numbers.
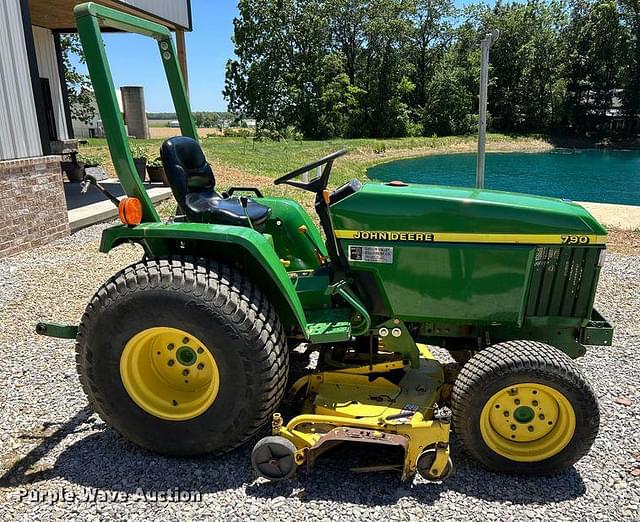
pixel 90 160
pixel 85 160
pixel 155 169
pixel 74 169
pixel 140 160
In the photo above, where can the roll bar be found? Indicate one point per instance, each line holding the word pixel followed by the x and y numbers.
pixel 90 17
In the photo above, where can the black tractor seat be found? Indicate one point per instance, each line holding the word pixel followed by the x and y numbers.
pixel 193 185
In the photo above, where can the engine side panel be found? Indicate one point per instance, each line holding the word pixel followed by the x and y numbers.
pixel 463 283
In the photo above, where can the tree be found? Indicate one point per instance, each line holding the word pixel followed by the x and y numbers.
pixel 347 21
pixel 544 57
pixel 383 68
pixel 449 108
pixel 258 82
pixel 339 113
pixel 280 45
pixel 597 41
pixel 430 37
pixel 79 90
pixel 630 18
pixel 527 63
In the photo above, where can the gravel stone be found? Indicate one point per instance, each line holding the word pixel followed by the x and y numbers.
pixel 59 461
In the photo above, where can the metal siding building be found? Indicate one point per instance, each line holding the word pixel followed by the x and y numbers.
pixel 48 68
pixel 23 70
pixel 35 118
pixel 19 130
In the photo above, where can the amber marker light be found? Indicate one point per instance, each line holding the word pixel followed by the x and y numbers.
pixel 130 211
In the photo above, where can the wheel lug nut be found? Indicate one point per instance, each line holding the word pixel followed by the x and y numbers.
pixel 513 427
pixel 506 413
pixel 170 346
pixel 185 340
pixel 517 401
pixel 185 372
pixel 535 403
pixel 200 366
pixel 200 350
pixel 530 428
pixel 171 362
pixel 541 416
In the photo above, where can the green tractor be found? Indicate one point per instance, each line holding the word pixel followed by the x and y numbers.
pixel 187 351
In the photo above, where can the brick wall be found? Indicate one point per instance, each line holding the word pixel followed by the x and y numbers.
pixel 33 210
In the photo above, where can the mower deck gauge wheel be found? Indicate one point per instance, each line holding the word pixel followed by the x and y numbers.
pixel 274 458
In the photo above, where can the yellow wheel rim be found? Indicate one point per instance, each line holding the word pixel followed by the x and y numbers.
pixel 527 422
pixel 169 373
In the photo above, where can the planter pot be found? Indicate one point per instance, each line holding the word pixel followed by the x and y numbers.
pixel 74 171
pixel 156 174
pixel 141 167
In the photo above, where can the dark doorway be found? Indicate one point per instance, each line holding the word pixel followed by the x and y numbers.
pixel 48 109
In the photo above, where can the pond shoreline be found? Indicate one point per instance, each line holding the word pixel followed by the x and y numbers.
pixel 506 147
pixel 574 142
pixel 522 144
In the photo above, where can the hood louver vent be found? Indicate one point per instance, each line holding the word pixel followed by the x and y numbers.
pixel 563 281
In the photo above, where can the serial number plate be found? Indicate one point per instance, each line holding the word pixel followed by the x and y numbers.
pixel 371 254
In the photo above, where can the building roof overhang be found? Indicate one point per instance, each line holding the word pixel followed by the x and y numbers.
pixel 57 15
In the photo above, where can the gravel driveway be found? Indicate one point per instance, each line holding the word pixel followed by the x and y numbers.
pixel 58 461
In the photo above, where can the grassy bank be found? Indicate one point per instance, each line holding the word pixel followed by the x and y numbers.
pixel 236 157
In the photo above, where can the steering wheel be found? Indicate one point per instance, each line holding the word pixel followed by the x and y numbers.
pixel 317 184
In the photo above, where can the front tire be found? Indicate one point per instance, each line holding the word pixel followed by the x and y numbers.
pixel 182 356
pixel 523 407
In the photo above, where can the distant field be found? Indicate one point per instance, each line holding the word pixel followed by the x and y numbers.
pixel 162 133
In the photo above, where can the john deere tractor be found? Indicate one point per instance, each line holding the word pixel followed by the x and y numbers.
pixel 186 352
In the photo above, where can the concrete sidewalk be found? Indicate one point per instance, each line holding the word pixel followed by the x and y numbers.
pixel 625 217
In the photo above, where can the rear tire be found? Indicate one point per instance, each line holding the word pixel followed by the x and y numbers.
pixel 524 407
pixel 125 356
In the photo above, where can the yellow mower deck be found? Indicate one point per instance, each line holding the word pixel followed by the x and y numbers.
pixel 359 404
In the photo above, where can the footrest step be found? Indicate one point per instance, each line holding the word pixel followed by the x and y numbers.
pixel 329 326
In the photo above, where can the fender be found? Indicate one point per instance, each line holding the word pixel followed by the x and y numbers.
pixel 229 244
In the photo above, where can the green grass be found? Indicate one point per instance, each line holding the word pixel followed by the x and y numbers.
pixel 272 159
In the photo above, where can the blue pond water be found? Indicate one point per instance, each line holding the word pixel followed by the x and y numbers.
pixel 580 175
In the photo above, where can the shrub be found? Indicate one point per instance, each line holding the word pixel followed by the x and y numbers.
pixel 139 152
pixel 155 162
pixel 235 132
pixel 90 160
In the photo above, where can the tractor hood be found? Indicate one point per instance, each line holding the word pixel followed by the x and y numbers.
pixel 433 209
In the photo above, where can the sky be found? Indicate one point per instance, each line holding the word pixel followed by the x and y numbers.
pixel 135 59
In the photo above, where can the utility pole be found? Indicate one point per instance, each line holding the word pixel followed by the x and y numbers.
pixel 485 44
